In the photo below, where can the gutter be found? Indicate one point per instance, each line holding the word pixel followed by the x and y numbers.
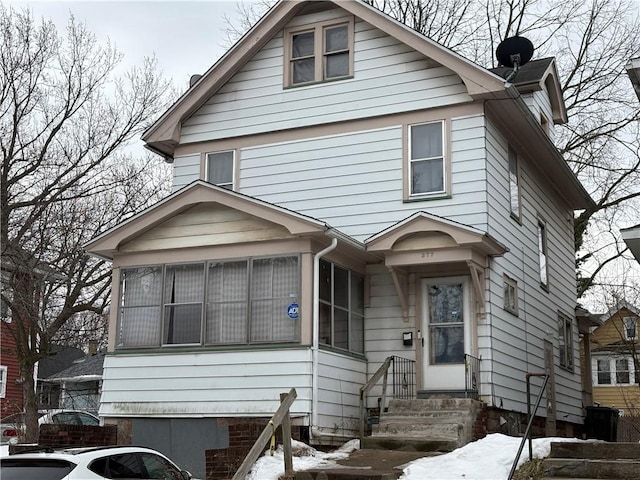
pixel 313 431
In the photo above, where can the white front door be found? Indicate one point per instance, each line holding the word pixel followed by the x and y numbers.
pixel 445 326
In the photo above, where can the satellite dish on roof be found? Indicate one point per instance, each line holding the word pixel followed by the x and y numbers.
pixel 514 52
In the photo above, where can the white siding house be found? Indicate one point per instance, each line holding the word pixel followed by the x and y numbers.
pixel 337 205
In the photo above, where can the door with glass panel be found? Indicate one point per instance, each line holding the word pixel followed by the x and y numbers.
pixel 446 332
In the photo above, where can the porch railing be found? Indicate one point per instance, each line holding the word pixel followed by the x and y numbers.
pixel 403 376
pixel 472 376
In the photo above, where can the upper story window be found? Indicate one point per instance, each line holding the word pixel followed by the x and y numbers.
pixel 630 328
pixel 510 295
pixel 219 168
pixel 5 298
pixel 542 253
pixel 240 301
pixel 565 341
pixel 319 52
pixel 426 157
pixel 341 308
pixel 514 184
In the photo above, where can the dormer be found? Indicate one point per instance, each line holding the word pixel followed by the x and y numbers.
pixel 539 84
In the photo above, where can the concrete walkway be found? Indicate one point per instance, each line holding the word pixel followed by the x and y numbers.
pixel 366 464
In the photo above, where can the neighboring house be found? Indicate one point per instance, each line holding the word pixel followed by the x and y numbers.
pixel 60 359
pixel 345 190
pixel 79 385
pixel 614 354
pixel 11 398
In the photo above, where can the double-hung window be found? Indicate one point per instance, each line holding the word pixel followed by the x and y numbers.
pixel 341 308
pixel 565 341
pixel 615 371
pixel 219 168
pixel 514 184
pixel 319 52
pixel 427 166
pixel 542 253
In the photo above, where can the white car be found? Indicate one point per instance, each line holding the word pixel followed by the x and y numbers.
pixel 88 463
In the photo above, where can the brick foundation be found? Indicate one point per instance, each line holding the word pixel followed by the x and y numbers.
pixel 221 464
pixel 71 436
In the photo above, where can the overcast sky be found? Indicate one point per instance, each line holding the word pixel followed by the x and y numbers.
pixel 186 36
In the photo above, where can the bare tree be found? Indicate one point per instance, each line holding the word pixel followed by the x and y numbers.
pixel 592 42
pixel 65 124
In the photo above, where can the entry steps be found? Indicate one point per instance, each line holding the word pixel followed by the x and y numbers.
pixel 592 461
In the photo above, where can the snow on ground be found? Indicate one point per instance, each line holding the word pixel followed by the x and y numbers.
pixel 487 459
pixel 4 451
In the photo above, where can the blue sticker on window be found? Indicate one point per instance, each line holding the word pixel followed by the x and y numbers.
pixel 292 311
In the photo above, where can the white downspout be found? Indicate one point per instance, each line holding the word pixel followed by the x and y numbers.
pixel 316 336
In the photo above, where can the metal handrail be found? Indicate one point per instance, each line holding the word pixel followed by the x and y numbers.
pixel 471 372
pixel 403 375
pixel 527 432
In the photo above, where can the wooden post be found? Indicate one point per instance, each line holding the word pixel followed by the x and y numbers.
pixel 286 442
pixel 257 448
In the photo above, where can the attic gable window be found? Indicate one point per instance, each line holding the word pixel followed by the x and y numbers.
pixel 319 52
pixel 630 328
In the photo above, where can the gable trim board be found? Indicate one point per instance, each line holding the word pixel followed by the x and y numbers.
pixel 631 237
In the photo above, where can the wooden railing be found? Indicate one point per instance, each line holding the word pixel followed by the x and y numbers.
pixel 281 417
pixel 403 375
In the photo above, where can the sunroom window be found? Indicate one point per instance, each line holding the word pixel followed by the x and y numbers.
pixel 341 308
pixel 240 301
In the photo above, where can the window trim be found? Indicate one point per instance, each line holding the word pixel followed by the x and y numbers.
pixel 565 337
pixel 319 29
pixel 408 196
pixel 542 240
pixel 511 283
pixel 234 173
pixel 511 153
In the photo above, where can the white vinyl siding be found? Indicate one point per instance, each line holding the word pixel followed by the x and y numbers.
pixel 389 77
pixel 385 325
pixel 339 381
pixel 353 181
pixel 186 169
pixel 509 348
pixel 540 106
pixel 217 383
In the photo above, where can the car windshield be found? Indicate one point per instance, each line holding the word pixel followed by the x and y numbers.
pixel 32 468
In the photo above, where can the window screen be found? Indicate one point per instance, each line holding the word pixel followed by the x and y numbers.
pixel 141 292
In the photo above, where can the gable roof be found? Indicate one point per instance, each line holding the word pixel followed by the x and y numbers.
pixel 631 237
pixel 197 192
pixel 163 135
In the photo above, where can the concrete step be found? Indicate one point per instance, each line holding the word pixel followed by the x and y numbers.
pixel 595 450
pixel 427 416
pixel 588 468
pixel 409 444
pixel 429 404
pixel 446 431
